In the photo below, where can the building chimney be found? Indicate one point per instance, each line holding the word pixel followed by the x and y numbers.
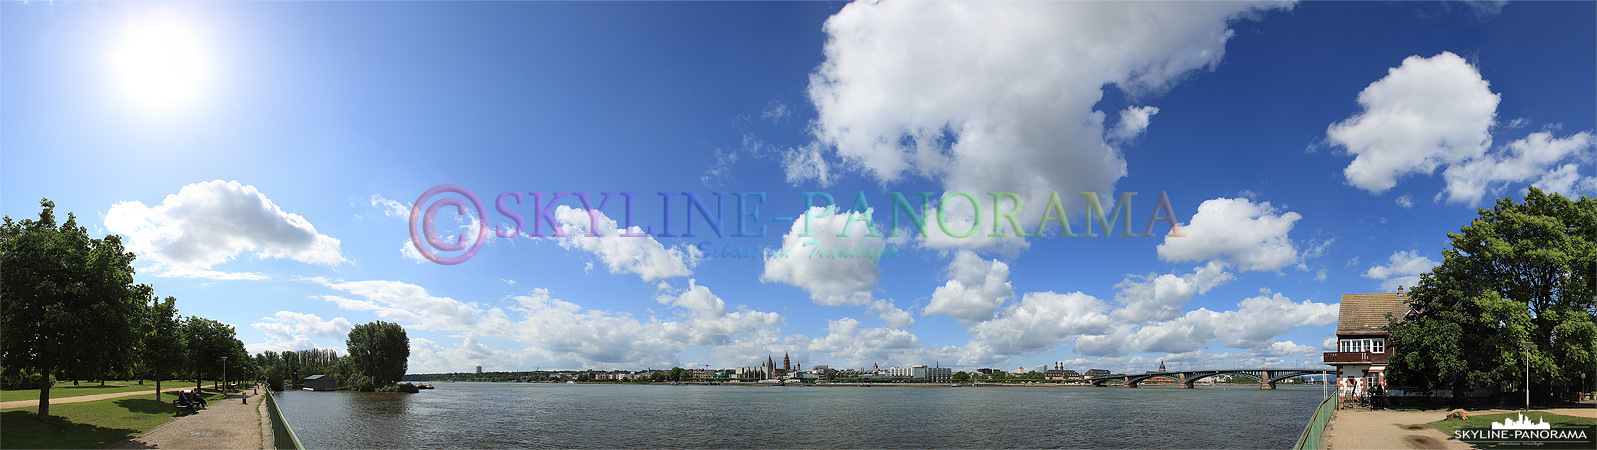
pixel 1399 290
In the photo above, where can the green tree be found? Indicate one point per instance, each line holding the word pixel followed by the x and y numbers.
pixel 961 376
pixel 164 347
pixel 208 342
pixel 1521 272
pixel 677 374
pixel 379 350
pixel 67 302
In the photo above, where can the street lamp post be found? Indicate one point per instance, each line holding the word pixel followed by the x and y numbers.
pixel 1526 345
pixel 224 377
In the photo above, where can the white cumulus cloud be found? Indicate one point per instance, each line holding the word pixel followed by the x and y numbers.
pixel 975 288
pixel 1161 297
pixel 998 96
pixel 1425 113
pixel 1250 236
pixel 557 333
pixel 1439 112
pixel 644 256
pixel 1403 268
pixel 1529 160
pixel 829 281
pixel 288 330
pixel 208 223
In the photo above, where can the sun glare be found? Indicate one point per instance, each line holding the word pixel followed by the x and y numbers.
pixel 160 62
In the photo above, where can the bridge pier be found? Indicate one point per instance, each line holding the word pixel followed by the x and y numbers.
pixel 1265 381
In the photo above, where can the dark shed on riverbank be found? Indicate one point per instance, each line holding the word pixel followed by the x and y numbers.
pixel 321 383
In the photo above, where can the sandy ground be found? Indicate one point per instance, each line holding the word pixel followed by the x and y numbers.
pixel 1354 429
pixel 228 424
pixel 34 403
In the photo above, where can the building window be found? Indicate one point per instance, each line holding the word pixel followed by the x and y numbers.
pixel 1373 345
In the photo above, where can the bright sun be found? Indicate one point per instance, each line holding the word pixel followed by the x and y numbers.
pixel 160 62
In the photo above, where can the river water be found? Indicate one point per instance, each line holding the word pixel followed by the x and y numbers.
pixel 498 415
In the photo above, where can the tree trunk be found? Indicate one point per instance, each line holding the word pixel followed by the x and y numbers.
pixel 157 390
pixel 1458 392
pixel 44 393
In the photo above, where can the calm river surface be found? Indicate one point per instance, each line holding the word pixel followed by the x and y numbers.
pixel 490 415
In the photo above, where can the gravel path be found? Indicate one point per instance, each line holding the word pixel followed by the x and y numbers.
pixel 226 424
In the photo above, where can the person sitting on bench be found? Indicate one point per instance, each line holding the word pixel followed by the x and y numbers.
pixel 192 398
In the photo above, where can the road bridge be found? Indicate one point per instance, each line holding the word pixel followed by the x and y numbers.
pixel 1265 377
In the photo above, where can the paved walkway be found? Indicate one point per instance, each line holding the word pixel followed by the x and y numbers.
pixel 34 403
pixel 1356 429
pixel 226 424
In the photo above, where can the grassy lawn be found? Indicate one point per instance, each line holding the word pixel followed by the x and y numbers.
pixel 85 425
pixel 66 389
pixel 1557 420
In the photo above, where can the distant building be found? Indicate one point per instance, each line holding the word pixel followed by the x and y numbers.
pixel 1362 352
pixel 985 371
pixel 479 370
pixel 321 383
pixel 1059 372
pixel 1097 372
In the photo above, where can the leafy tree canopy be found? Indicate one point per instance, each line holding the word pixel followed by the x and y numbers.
pixel 1522 272
pixel 67 302
pixel 380 350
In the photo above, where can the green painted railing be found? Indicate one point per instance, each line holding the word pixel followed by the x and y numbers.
pixel 283 437
pixel 1310 439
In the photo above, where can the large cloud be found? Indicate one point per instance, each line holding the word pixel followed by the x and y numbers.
pixel 1439 112
pixel 802 260
pixel 998 96
pixel 209 223
pixel 1161 297
pixel 974 289
pixel 1254 325
pixel 644 256
pixel 1251 236
pixel 1425 113
pixel 1040 321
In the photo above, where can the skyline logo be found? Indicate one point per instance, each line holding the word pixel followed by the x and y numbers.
pixel 932 211
pixel 1523 423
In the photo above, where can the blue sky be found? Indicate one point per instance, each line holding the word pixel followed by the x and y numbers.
pixel 263 160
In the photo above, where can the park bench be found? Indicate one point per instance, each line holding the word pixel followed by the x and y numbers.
pixel 178 406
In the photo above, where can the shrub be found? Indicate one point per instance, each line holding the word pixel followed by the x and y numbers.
pixel 362 383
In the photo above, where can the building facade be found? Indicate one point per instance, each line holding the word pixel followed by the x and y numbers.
pixel 1362 351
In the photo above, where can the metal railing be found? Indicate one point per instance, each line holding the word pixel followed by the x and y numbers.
pixel 1310 439
pixel 283 437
